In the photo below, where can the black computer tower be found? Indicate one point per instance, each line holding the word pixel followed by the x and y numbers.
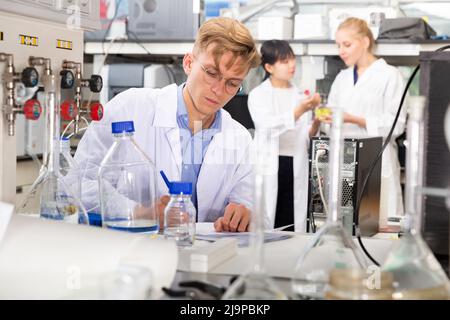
pixel 358 155
pixel 434 85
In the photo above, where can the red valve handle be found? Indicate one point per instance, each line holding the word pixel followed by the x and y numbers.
pixel 32 109
pixel 96 111
pixel 68 110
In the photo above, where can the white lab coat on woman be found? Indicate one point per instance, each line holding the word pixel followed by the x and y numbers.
pixel 269 116
pixel 375 97
pixel 226 174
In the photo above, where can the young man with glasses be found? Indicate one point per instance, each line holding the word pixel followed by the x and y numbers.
pixel 186 133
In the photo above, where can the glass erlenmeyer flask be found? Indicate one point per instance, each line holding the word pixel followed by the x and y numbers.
pixel 417 273
pixel 332 247
pixel 49 196
pixel 256 284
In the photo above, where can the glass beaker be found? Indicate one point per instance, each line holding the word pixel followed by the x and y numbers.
pixel 331 247
pixel 417 273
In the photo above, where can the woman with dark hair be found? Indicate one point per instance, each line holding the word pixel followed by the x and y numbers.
pixel 281 113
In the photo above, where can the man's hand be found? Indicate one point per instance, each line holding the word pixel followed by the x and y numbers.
pixel 161 205
pixel 142 212
pixel 236 218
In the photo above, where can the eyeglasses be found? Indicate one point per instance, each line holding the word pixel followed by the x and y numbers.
pixel 212 76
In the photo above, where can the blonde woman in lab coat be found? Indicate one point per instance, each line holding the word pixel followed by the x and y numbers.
pixel 278 110
pixel 369 92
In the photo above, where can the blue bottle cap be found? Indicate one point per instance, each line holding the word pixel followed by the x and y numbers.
pixel 179 187
pixel 123 126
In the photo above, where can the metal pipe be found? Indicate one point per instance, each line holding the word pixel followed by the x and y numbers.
pixel 9 78
pixel 10 117
pixel 51 154
pixel 72 65
pixel 40 61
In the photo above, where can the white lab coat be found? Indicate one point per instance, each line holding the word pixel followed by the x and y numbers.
pixel 375 97
pixel 264 110
pixel 226 175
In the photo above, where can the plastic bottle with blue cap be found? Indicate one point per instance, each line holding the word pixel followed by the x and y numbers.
pixel 127 184
pixel 179 214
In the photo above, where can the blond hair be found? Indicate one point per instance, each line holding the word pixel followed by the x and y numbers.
pixel 361 28
pixel 228 35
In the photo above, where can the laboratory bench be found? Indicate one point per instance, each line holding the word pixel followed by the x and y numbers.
pixel 38 258
pixel 280 258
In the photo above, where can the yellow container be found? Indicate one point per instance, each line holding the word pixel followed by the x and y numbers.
pixel 322 112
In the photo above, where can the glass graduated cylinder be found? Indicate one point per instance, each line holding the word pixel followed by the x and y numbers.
pixel 331 247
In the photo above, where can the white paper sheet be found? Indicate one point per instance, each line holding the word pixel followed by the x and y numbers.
pixel 205 231
pixel 243 238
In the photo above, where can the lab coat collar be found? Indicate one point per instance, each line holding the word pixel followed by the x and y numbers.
pixel 380 62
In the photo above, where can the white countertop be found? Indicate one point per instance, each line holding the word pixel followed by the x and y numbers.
pixel 280 256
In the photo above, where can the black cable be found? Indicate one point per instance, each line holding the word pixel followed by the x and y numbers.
pixel 378 157
pixel 443 48
pixel 139 42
